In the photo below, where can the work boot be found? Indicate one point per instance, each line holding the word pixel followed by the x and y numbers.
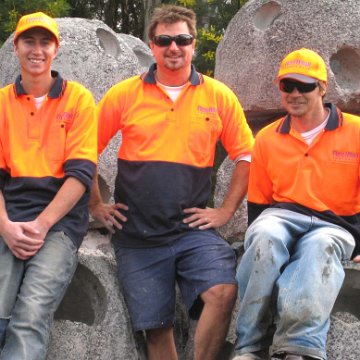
pixel 257 355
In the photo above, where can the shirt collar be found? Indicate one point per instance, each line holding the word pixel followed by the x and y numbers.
pixel 335 120
pixel 149 77
pixel 56 91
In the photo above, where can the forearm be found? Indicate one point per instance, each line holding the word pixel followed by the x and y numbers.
pixel 66 198
pixel 95 195
pixel 3 212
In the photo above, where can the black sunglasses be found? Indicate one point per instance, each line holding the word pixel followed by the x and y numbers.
pixel 166 40
pixel 288 86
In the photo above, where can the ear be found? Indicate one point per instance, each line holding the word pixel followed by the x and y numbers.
pixel 15 47
pixel 56 51
pixel 322 88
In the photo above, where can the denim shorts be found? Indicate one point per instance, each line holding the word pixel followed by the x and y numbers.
pixel 197 261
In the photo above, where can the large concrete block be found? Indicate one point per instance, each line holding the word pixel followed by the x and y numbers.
pixel 344 334
pixel 92 321
pixel 264 31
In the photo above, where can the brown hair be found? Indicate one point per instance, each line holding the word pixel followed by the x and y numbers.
pixel 171 14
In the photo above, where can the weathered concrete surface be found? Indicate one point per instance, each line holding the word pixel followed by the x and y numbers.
pixel 235 229
pixel 140 49
pixel 263 32
pixel 344 334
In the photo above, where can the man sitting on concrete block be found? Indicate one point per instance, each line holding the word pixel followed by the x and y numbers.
pixel 304 211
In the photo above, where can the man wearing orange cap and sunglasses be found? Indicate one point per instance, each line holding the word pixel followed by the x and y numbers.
pixel 48 154
pixel 304 211
pixel 171 119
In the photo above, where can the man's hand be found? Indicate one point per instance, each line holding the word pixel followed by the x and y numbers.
pixel 207 218
pixel 356 259
pixel 109 215
pixel 22 238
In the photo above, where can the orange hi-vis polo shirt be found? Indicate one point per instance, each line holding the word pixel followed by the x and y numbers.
pixel 321 179
pixel 40 148
pixel 167 151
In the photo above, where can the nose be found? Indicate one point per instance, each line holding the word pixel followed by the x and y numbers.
pixel 36 47
pixel 295 92
pixel 173 45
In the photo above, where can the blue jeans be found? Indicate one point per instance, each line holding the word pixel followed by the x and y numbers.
pixel 30 294
pixel 289 278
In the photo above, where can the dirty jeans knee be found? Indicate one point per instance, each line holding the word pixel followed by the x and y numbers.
pixel 267 243
pixel 303 311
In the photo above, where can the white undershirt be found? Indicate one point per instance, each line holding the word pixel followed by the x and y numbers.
pixel 310 135
pixel 39 101
pixel 172 91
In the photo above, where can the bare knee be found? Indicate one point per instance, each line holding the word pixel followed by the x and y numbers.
pixel 160 344
pixel 221 296
pixel 156 336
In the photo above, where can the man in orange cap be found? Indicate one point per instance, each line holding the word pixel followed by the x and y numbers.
pixel 303 207
pixel 48 151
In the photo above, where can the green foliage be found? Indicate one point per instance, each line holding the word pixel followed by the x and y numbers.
pixel 12 10
pixel 207 42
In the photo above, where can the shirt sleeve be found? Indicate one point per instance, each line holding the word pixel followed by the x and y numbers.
pixel 109 114
pixel 260 189
pixel 236 135
pixel 81 140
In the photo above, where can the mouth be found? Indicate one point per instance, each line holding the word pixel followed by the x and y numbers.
pixel 36 61
pixel 295 103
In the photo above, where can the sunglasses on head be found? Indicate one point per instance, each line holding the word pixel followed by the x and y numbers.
pixel 166 40
pixel 288 86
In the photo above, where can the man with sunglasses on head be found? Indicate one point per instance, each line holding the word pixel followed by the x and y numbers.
pixel 304 212
pixel 171 118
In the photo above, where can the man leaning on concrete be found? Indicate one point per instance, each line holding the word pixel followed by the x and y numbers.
pixel 171 119
pixel 48 150
pixel 304 209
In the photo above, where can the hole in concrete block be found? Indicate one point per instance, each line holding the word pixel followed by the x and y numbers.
pixel 266 15
pixel 145 60
pixel 85 299
pixel 348 299
pixel 108 42
pixel 345 65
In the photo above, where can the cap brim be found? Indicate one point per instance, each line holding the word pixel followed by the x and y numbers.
pixel 299 77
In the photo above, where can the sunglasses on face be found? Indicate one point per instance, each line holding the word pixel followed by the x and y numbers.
pixel 166 40
pixel 288 86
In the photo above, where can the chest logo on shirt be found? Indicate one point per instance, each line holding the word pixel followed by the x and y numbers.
pixel 206 110
pixel 346 156
pixel 65 116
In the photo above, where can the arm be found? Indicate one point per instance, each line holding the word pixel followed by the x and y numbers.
pixel 68 195
pixel 108 214
pixel 109 114
pixel 211 218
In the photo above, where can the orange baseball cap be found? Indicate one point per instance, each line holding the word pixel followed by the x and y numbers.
pixel 303 65
pixel 37 19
